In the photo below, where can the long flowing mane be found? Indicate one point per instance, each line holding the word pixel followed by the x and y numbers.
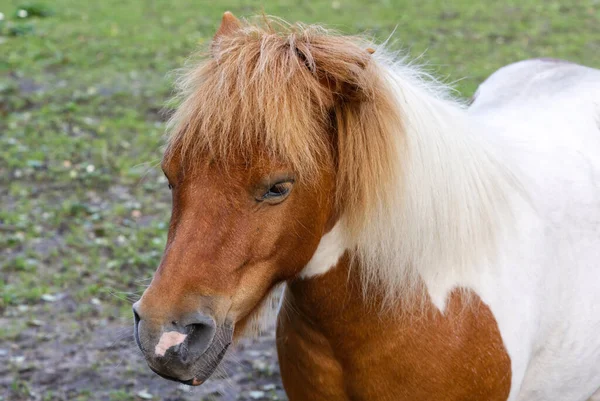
pixel 421 195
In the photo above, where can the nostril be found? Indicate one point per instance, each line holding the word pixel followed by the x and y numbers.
pixel 136 324
pixel 200 336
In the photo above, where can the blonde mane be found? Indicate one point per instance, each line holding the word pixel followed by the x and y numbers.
pixel 419 193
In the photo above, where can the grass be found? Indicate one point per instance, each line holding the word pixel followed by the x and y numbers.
pixel 84 207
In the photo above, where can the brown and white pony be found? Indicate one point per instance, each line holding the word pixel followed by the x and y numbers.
pixel 428 251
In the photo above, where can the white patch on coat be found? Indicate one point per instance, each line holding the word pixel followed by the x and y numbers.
pixel 328 253
pixel 167 340
pixel 544 290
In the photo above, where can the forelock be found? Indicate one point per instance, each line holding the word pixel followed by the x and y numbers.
pixel 268 86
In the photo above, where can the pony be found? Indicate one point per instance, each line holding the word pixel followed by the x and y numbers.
pixel 428 250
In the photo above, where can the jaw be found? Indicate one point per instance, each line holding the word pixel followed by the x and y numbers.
pixel 204 366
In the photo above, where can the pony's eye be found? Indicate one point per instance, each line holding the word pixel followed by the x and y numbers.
pixel 278 192
pixel 170 186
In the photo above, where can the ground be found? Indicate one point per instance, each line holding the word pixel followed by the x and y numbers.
pixel 84 93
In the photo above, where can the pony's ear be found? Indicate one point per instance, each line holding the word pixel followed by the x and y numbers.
pixel 229 24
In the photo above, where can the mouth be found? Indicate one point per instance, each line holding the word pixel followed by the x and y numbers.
pixel 206 364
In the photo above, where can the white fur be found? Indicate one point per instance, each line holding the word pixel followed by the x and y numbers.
pixel 504 199
pixel 544 288
pixel 451 198
pixel 330 250
pixel 167 340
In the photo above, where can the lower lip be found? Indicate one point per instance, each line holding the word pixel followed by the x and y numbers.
pixel 195 381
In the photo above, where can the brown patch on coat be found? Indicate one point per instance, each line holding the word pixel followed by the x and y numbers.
pixel 334 346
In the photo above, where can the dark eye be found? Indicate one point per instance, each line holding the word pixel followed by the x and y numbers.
pixel 278 192
pixel 169 181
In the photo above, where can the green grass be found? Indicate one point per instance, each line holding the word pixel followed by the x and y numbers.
pixel 84 208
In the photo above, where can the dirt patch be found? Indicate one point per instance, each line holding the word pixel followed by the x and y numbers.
pixel 51 355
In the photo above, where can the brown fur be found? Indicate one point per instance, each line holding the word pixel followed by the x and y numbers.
pixel 333 346
pixel 219 247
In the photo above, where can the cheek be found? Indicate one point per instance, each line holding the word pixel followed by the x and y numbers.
pixel 282 240
pixel 254 284
pixel 299 233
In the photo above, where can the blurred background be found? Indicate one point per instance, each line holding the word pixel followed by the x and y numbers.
pixel 84 90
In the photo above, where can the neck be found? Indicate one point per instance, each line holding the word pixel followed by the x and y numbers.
pixel 332 342
pixel 451 198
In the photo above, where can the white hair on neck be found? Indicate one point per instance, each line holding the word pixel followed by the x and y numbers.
pixel 451 199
